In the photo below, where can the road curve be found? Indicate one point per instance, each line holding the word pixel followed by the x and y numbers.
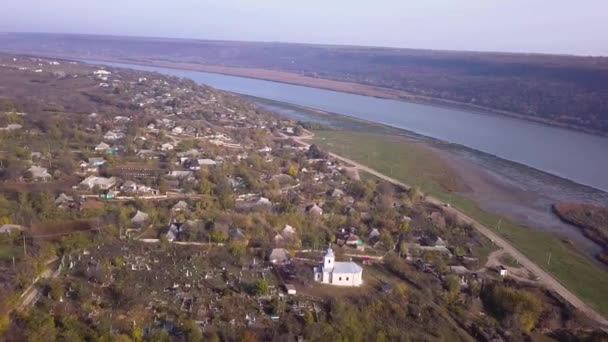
pixel 545 278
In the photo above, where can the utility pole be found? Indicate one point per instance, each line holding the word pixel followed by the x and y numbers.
pixel 24 248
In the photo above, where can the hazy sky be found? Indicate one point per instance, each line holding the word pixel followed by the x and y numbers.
pixel 556 26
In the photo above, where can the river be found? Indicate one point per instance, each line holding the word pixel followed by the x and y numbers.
pixel 576 156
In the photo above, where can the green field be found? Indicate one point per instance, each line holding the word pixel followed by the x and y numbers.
pixel 412 164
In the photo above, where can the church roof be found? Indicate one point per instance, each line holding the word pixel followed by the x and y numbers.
pixel 346 267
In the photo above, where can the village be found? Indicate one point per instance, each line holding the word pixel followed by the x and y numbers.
pixel 174 207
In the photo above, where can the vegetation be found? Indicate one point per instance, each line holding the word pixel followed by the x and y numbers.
pixel 591 219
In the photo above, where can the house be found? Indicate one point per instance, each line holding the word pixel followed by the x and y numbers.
pixel 174 230
pixel 459 269
pixel 97 161
pixel 291 290
pixel 145 154
pixel 11 127
pixel 314 209
pixel 440 243
pixel 166 147
pixel 288 232
pixel 101 182
pixel 336 193
pixel 187 175
pixel 102 147
pixel 353 240
pixel 501 270
pixel 338 273
pixel 278 256
pixel 263 201
pixel 9 228
pixel 207 162
pixel 180 206
pixel 374 233
pixel 278 239
pixel 65 201
pixel 139 219
pixel 101 72
pixel 86 167
pixel 113 135
pixel 192 164
pixel 39 173
pixel 129 187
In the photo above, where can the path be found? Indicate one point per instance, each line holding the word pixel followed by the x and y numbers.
pixel 32 294
pixel 544 277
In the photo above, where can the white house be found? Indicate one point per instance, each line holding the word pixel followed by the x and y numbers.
pixel 101 182
pixel 102 147
pixel 166 147
pixel 338 273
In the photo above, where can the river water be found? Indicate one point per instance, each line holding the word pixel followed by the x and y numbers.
pixel 576 156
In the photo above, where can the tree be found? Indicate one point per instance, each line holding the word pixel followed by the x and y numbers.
pixel 192 332
pixel 309 319
pixel 298 130
pixel 204 187
pixel 261 287
pixel 516 303
pixel 40 327
pixel 218 235
pixel 292 170
pixel 55 289
pixel 415 194
pixel 387 240
pixel 404 227
pixel 451 283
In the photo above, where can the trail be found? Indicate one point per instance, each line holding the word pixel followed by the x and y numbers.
pixel 545 278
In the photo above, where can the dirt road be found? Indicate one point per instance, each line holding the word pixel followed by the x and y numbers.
pixel 544 278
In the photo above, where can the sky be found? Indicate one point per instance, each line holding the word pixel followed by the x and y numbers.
pixel 547 26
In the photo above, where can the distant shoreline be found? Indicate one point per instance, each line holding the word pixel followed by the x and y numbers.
pixel 327 84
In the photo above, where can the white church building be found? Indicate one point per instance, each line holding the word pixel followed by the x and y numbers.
pixel 338 273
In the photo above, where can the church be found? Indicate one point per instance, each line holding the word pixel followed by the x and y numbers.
pixel 338 273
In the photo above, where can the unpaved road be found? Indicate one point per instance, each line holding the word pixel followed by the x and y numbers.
pixel 544 278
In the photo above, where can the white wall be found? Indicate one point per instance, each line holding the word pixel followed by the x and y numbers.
pixel 346 279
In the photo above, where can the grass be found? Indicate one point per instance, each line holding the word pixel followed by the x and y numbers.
pixel 507 260
pixel 8 251
pixel 412 164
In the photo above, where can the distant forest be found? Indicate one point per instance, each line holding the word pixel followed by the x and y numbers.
pixel 570 91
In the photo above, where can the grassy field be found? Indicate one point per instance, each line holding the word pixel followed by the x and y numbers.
pixel 412 164
pixel 507 259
